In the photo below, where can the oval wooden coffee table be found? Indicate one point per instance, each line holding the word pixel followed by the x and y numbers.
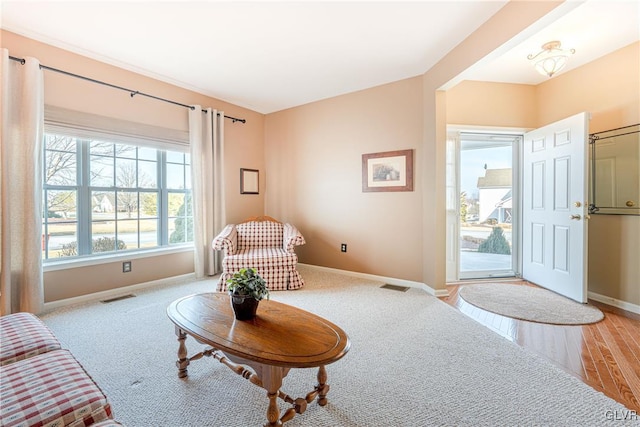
pixel 279 338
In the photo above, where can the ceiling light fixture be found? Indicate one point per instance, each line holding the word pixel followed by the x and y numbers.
pixel 551 59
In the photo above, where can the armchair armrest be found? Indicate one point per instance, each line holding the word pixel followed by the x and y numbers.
pixel 227 240
pixel 291 237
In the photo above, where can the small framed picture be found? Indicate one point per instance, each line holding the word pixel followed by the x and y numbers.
pixel 387 171
pixel 249 181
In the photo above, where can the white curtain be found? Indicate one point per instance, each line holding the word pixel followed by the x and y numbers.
pixel 206 139
pixel 22 111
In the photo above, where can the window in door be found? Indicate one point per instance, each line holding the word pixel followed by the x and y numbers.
pixel 488 205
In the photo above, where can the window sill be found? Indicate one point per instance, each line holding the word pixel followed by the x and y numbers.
pixel 106 259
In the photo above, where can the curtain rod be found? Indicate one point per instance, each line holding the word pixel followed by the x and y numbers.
pixel 131 92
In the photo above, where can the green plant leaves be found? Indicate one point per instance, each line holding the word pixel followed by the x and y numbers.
pixel 247 281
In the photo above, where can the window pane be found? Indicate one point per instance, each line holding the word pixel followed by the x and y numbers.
pixel 175 157
pixel 145 153
pixel 127 174
pixel 128 233
pixel 103 236
pixel 126 151
pixel 60 143
pixel 103 205
pixel 102 173
pixel 176 201
pixel 61 239
pixel 60 204
pixel 180 223
pixel 180 230
pixel 127 204
pixel 149 233
pixel 149 205
pixel 147 174
pixel 101 148
pixel 175 176
pixel 60 160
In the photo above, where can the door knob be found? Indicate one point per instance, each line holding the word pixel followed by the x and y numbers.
pixel 576 217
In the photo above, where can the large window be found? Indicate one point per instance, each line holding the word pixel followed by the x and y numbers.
pixel 103 197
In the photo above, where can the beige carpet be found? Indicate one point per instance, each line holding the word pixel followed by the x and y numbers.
pixel 530 303
pixel 414 362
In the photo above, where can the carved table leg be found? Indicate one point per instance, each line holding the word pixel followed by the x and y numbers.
pixel 323 387
pixel 182 361
pixel 272 381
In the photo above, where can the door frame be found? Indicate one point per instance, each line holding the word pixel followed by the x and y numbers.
pixel 453 221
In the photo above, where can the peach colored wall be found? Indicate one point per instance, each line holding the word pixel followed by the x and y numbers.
pixel 484 103
pixel 313 158
pixel 314 161
pixel 62 284
pixel 609 88
pixel 244 149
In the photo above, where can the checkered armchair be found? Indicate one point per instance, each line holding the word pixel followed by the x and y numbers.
pixel 265 244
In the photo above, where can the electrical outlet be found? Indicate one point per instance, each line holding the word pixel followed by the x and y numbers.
pixel 343 247
pixel 126 267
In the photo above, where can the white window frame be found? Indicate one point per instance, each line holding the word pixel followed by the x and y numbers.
pixel 84 126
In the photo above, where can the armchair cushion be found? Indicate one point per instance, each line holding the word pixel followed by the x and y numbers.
pixel 264 244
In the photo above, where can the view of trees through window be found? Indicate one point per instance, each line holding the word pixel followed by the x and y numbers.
pixel 102 196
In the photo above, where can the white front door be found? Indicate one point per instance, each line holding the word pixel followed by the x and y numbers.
pixel 554 228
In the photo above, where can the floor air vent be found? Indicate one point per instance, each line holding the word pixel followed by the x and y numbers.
pixel 395 287
pixel 114 299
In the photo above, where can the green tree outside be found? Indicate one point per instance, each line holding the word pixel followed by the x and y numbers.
pixel 496 243
pixel 183 223
pixel 463 206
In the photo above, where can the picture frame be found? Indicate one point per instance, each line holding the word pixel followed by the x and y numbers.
pixel 249 181
pixel 387 171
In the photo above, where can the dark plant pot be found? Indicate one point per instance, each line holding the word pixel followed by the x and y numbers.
pixel 244 306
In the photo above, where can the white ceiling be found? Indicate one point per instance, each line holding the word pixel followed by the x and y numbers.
pixel 268 56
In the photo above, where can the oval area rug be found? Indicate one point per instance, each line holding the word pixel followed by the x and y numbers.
pixel 530 303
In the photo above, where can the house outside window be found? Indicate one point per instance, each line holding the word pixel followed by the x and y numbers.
pixel 102 197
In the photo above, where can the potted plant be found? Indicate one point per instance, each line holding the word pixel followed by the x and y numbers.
pixel 246 288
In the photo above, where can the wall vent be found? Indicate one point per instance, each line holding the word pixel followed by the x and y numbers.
pixel 114 299
pixel 395 287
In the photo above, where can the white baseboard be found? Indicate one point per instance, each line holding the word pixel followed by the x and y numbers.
pixel 390 280
pixel 113 293
pixel 634 308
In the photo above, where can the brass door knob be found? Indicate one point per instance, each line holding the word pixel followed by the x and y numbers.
pixel 576 217
pixel 630 203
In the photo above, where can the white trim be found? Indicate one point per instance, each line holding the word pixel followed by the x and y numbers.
pixel 66 264
pixel 392 281
pixel 112 293
pixel 487 129
pixel 634 308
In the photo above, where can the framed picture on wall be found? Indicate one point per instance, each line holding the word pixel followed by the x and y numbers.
pixel 249 181
pixel 387 171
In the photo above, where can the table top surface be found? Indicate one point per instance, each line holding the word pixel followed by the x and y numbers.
pixel 279 335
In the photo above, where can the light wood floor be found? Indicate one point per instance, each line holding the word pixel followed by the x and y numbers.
pixel 604 355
